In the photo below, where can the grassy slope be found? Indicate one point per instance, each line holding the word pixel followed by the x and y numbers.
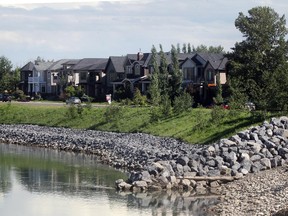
pixel 194 126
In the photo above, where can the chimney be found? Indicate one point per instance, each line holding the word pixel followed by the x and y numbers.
pixel 139 55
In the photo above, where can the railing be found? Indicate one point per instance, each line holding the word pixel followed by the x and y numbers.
pixel 33 79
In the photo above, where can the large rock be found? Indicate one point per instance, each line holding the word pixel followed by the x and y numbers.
pixel 266 163
pixel 183 160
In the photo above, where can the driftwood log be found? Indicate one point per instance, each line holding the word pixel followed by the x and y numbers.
pixel 211 178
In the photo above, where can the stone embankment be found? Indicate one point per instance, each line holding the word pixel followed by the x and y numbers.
pixel 166 163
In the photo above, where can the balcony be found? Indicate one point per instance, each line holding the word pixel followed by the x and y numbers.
pixel 33 79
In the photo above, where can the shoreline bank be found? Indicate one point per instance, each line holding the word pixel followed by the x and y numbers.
pixel 160 163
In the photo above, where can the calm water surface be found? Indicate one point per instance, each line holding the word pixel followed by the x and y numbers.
pixel 43 182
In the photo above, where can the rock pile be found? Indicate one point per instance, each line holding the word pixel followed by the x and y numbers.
pixel 166 163
pixel 258 148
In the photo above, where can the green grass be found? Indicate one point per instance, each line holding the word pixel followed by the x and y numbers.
pixel 195 126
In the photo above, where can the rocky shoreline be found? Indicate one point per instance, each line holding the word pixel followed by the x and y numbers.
pixel 158 163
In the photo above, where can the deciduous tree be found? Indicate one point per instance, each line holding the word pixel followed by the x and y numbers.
pixel 258 64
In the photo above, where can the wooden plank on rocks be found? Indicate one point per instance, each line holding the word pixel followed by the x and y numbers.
pixel 210 178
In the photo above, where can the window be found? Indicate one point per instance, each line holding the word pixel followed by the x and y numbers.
pixel 189 73
pixel 137 69
pixel 55 78
pixel 210 76
pixel 43 89
pixel 97 78
pixel 120 76
pixel 128 70
pixel 83 75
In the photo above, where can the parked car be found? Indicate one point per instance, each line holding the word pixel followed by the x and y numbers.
pixel 6 98
pixel 73 100
pixel 250 106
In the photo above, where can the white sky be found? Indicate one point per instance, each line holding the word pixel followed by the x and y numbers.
pixel 59 29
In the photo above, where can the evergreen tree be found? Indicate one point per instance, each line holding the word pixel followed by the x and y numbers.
pixel 219 98
pixel 163 73
pixel 178 48
pixel 189 48
pixel 176 76
pixel 154 89
pixel 258 64
pixel 184 48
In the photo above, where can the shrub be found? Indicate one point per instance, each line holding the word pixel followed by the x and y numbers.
pixel 155 114
pixel 165 107
pixel 19 94
pixel 182 103
pixel 71 111
pixel 113 114
pixel 139 99
pixel 217 114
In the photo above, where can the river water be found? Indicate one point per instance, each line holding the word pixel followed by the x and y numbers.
pixel 45 182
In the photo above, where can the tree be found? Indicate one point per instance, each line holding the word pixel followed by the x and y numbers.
pixel 258 62
pixel 5 66
pixel 175 81
pixel 154 89
pixel 178 48
pixel 184 48
pixel 189 48
pixel 163 73
pixel 9 79
pixel 211 49
pixel 218 98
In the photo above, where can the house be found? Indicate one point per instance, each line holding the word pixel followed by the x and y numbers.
pixel 115 73
pixel 89 74
pixel 200 72
pixel 129 72
pixel 58 76
pixel 34 77
pixel 100 76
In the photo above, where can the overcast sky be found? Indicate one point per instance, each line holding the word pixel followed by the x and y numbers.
pixel 53 30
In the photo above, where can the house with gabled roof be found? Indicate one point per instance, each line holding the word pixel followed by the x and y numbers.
pixel 57 76
pixel 34 77
pixel 128 72
pixel 100 76
pixel 91 76
pixel 115 73
pixel 199 73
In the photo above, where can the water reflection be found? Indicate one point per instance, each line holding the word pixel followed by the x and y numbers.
pixel 49 182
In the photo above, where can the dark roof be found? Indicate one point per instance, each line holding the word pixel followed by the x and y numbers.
pixel 118 63
pixel 39 66
pixel 217 60
pixel 91 64
pixel 28 67
pixel 72 62
pixel 42 66
pixel 132 58
pixel 58 64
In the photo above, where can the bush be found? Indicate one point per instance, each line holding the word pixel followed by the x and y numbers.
pixel 139 99
pixel 217 114
pixel 19 94
pixel 126 102
pixel 182 103
pixel 165 107
pixel 155 114
pixel 113 114
pixel 71 111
